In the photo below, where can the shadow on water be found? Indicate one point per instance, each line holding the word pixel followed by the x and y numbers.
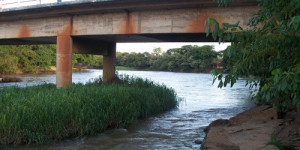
pixel 177 129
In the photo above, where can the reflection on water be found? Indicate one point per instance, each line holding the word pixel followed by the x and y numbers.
pixel 176 129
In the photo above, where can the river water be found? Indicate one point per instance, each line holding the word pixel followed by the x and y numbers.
pixel 177 129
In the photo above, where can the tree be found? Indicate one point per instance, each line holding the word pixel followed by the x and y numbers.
pixel 9 64
pixel 268 49
pixel 45 56
pixel 157 51
pixel 87 60
pixel 32 58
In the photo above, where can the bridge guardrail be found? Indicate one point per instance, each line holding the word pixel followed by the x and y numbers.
pixel 7 5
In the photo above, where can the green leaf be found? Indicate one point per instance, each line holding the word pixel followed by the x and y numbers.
pixel 216 30
pixel 214 72
pixel 295 21
pixel 220 76
pixel 268 96
pixel 227 37
pixel 233 81
pixel 211 21
pixel 220 84
pixel 277 72
pixel 207 31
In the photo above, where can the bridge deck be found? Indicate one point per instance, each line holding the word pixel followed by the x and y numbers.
pixel 119 20
pixel 108 6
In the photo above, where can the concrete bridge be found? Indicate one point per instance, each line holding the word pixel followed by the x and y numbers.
pixel 94 27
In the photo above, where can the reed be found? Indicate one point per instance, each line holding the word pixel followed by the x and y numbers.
pixel 41 114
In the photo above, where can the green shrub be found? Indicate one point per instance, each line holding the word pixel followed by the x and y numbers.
pixel 39 114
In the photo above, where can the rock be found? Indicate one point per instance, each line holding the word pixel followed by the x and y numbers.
pixel 263 113
pixel 216 123
pixel 249 130
pixel 270 147
pixel 1 80
pixel 288 133
pixel 198 141
pixel 217 139
pixel 220 122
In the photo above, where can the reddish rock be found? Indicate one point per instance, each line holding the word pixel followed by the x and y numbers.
pixel 250 130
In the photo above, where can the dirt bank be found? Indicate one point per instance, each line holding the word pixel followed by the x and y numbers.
pixel 4 79
pixel 254 129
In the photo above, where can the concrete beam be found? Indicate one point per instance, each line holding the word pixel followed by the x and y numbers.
pixel 109 71
pixel 158 21
pixel 41 27
pixel 174 21
pixel 110 6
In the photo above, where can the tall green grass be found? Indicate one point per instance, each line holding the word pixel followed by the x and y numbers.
pixel 39 114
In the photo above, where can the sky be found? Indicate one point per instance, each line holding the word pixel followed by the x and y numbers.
pixel 148 47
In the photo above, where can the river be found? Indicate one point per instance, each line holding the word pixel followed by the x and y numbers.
pixel 177 129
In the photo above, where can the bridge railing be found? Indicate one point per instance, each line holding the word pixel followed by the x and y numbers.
pixel 6 4
pixel 15 4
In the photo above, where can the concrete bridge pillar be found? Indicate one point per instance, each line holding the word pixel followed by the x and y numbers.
pixel 64 61
pixel 109 72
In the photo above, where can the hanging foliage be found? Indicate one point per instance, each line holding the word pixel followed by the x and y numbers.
pixel 267 49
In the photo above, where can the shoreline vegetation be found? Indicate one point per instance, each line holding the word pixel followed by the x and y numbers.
pixel 126 68
pixel 4 79
pixel 42 114
pixel 11 77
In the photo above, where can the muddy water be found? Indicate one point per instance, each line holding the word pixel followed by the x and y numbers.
pixel 201 103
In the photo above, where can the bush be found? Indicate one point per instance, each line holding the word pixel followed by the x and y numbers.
pixel 39 114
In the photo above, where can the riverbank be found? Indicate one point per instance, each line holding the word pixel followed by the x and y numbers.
pixel 254 129
pixel 13 77
pixel 41 114
pixel 125 68
pixel 4 79
pixel 51 70
pixel 209 70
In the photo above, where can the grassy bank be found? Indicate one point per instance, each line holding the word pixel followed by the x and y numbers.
pixel 125 68
pixel 40 114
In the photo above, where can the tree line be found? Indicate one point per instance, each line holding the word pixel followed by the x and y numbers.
pixel 185 59
pixel 37 58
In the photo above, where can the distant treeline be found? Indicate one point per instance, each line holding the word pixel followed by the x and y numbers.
pixel 37 58
pixel 185 59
